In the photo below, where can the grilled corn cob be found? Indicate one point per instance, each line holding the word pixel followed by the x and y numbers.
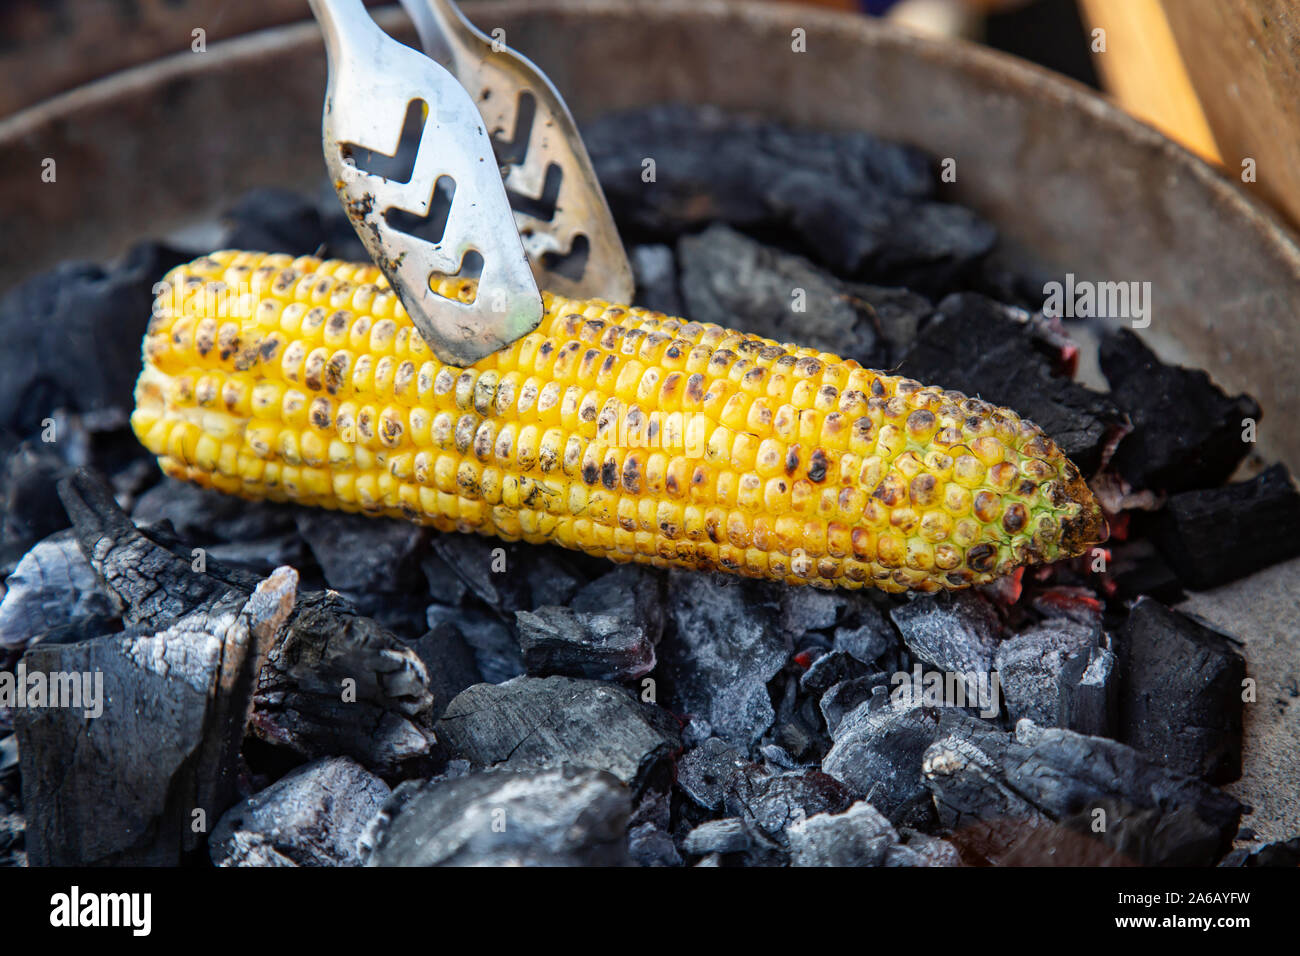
pixel 616 431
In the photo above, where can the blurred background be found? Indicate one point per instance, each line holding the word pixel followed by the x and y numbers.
pixel 1222 77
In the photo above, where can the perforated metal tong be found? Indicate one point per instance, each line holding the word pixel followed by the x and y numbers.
pixel 499 187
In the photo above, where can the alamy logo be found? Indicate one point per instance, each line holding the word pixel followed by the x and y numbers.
pixel 948 689
pixel 75 909
pixel 1083 299
pixel 35 689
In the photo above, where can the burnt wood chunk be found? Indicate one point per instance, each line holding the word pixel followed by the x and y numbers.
pixel 1187 432
pixel 1215 536
pixel 1181 692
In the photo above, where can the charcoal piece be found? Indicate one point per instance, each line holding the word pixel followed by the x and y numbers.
pixel 847 695
pixel 1044 796
pixel 496 649
pixel 1283 853
pixel 655 270
pixel 338 683
pixel 729 835
pixel 868 638
pixel 533 723
pixel 53 587
pixel 718 778
pixel 560 640
pixel 123 787
pixel 723 649
pixel 706 773
pixel 856 203
pixel 1039 667
pixel 445 586
pixel 1186 430
pixel 561 817
pixel 152 585
pixel 274 220
pixel 733 281
pixel 1137 568
pixel 449 663
pixel 977 346
pixel 551 578
pixel 204 515
pixel 311 817
pixel 921 849
pixel 1092 704
pixel 649 842
pixel 488 568
pixel 1180 692
pixel 828 670
pixel 260 555
pixel 72 337
pixel 359 553
pixel 877 755
pixel 632 593
pixel 1216 536
pixel 859 836
pixel 954 631
pixel 13 826
pixel 812 609
pixel 29 491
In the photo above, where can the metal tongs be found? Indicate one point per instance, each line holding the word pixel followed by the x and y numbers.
pixel 525 208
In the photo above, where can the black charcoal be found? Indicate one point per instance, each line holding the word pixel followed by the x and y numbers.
pixel 655 271
pixel 1216 536
pixel 54 588
pixel 1040 667
pixel 123 786
pixel 449 663
pixel 829 670
pixel 490 569
pixel 632 593
pixel 1187 432
pixel 204 515
pixel 534 723
pixel 877 756
pixel 560 640
pixel 313 816
pixel 954 631
pixel 1046 796
pixel 72 337
pixel 274 220
pixel 496 649
pixel 724 648
pixel 846 696
pixel 867 637
pixel 1180 696
pixel 728 835
pixel 564 817
pixel 360 553
pixel 859 836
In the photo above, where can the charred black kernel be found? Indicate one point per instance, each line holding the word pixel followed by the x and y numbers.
pixel 607 366
pixel 609 474
pixel 632 475
pixel 817 466
pixel 590 472
pixel 877 388
pixel 545 349
pixel 981 557
pixel 695 387
pixel 1026 488
pixel 771 352
pixel 673 352
pixel 270 345
pixel 587 412
pixel 1013 519
pixel 711 529
pixel 320 413
pixel 337 323
pixel 792 460
pixel 974 422
pixel 670 483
